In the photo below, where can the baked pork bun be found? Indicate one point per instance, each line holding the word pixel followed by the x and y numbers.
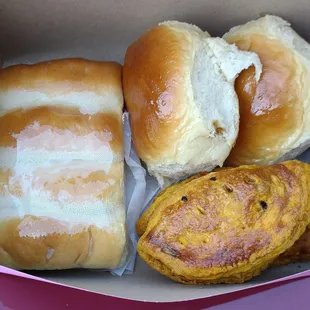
pixel 179 91
pixel 274 113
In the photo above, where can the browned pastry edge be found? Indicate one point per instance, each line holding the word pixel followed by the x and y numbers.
pixel 289 172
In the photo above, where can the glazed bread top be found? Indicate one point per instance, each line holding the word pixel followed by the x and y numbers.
pixel 179 91
pixel 274 113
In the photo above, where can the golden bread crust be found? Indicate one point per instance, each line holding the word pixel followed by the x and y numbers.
pixel 58 247
pixel 151 80
pixel 66 75
pixel 60 120
pixel 271 110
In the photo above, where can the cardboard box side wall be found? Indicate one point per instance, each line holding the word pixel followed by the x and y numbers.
pixel 36 30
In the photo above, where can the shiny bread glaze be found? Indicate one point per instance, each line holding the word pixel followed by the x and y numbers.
pixel 270 110
pixel 151 85
pixel 179 92
pixel 274 113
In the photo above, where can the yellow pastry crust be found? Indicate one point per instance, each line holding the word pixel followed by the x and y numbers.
pixel 226 226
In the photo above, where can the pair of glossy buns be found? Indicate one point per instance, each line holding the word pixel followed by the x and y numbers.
pixel 185 91
pixel 62 165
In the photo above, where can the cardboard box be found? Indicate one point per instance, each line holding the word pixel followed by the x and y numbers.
pixel 35 30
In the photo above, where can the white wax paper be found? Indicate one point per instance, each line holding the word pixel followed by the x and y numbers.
pixel 137 195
